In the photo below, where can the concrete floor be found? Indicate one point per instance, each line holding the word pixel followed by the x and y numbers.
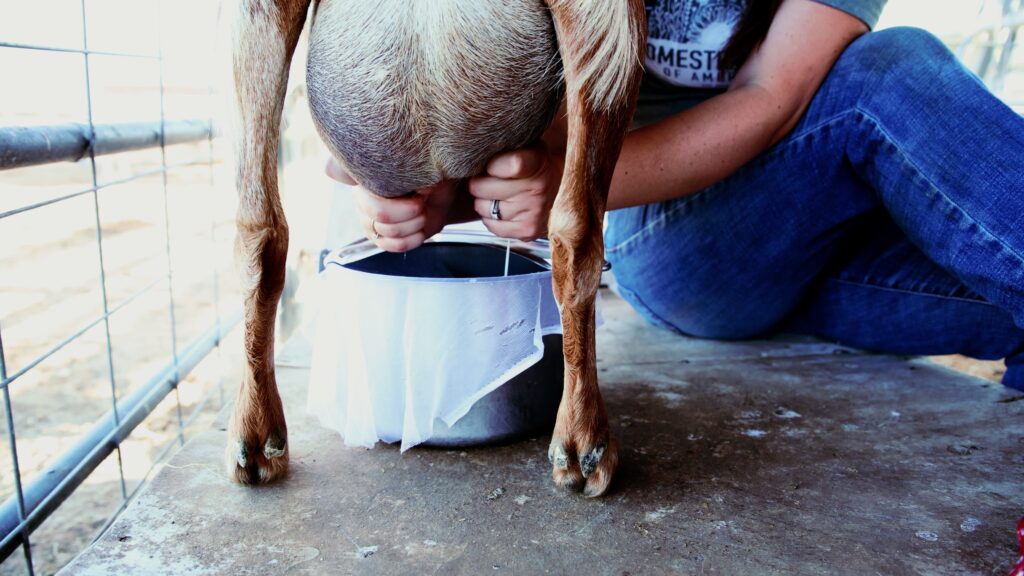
pixel 781 457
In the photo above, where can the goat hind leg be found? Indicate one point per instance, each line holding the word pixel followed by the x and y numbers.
pixel 266 33
pixel 600 44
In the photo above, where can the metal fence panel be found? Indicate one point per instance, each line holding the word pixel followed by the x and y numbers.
pixel 22 146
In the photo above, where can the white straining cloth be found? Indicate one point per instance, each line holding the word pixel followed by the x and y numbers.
pixel 391 354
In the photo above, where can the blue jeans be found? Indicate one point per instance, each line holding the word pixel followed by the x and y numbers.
pixel 891 218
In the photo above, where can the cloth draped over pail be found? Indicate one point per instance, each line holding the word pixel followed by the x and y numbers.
pixel 392 354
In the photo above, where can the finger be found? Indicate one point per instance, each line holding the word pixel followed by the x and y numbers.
pixel 517 164
pixel 508 210
pixel 401 244
pixel 388 210
pixel 391 244
pixel 525 231
pixel 399 230
pixel 335 171
pixel 492 188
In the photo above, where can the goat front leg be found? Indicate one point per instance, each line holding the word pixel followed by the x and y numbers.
pixel 600 44
pixel 266 32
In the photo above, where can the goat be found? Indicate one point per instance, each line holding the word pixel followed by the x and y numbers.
pixel 405 94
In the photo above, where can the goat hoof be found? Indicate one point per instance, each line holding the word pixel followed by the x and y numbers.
pixel 253 466
pixel 557 456
pixel 275 446
pixel 257 448
pixel 573 483
pixel 588 470
pixel 254 460
pixel 590 460
pixel 242 454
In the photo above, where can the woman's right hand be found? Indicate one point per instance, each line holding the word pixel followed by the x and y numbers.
pixel 398 224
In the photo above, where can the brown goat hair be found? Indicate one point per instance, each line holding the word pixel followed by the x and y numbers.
pixel 750 32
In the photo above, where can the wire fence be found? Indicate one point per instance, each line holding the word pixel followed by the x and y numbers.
pixel 29 318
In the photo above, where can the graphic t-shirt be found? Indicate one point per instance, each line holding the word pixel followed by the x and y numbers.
pixel 685 39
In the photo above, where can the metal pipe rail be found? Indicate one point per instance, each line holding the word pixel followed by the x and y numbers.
pixel 46 492
pixel 22 146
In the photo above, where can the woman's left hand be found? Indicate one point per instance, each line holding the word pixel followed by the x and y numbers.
pixel 524 183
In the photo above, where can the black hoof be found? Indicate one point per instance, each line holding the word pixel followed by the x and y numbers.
pixel 590 460
pixel 275 446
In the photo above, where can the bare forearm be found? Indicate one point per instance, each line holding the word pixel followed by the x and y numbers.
pixel 689 151
pixel 692 150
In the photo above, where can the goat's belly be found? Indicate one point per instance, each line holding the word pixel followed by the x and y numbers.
pixel 407 93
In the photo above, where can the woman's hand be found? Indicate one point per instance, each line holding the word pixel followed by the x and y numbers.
pixel 524 183
pixel 399 224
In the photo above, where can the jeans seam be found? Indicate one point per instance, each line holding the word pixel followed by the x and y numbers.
pixel 652 223
pixel 797 136
pixel 908 161
pixel 878 286
pixel 771 153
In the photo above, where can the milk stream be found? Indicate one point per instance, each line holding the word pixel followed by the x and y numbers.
pixel 508 249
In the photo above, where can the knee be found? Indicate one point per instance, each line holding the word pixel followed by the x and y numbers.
pixel 902 52
pixel 900 67
pixel 576 246
pixel 261 251
pixel 266 240
pixel 900 42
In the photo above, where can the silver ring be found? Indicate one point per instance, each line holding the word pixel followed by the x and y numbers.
pixel 373 227
pixel 495 211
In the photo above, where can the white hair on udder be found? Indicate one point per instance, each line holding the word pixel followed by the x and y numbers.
pixel 407 92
